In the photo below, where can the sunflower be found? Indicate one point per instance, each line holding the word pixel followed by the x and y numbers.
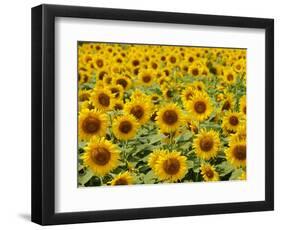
pixel 209 172
pixel 195 70
pixel 243 105
pixel 101 156
pixel 123 179
pixel 187 94
pixel 84 95
pixel 206 144
pixel 236 153
pixel 228 102
pixel 240 135
pixel 199 107
pixel 102 98
pixel 118 105
pixel 154 157
pixel 92 122
pixel 125 127
pixel 232 121
pixel 146 77
pixel 125 82
pixel 140 108
pixel 169 118
pixel 171 166
pixel 117 91
pixel 229 76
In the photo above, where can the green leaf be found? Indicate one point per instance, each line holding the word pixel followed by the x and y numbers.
pixel 190 164
pixel 149 178
pixel 236 174
pixel 86 177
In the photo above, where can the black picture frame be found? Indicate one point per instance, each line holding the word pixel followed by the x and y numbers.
pixel 43 114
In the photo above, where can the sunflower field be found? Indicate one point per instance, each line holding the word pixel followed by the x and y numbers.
pixel 150 114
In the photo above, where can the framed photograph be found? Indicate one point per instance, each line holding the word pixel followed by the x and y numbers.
pixel 142 114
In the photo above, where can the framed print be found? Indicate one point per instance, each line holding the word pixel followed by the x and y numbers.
pixel 141 114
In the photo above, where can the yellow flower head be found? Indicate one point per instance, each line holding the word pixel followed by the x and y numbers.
pixel 140 108
pixel 125 127
pixel 200 106
pixel 92 122
pixel 236 153
pixel 101 156
pixel 209 172
pixel 206 144
pixel 171 166
pixel 102 99
pixel 169 118
pixel 123 179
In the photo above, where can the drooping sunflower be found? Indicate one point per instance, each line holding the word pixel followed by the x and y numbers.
pixel 125 127
pixel 206 144
pixel 102 98
pixel 92 122
pixel 232 121
pixel 236 153
pixel 154 157
pixel 169 118
pixel 243 105
pixel 171 167
pixel 209 172
pixel 200 106
pixel 101 156
pixel 123 179
pixel 140 108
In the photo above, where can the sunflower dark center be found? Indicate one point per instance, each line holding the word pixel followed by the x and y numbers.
pixel 188 95
pixel 146 78
pixel 137 111
pixel 239 152
pixel 115 91
pixel 136 62
pixel 125 127
pixel 118 106
pixel 230 77
pixel 100 156
pixel 200 107
pixel 233 120
pixel 209 173
pixel 191 59
pixel 99 63
pixel 121 181
pixel 170 117
pixel 226 105
pixel 122 82
pixel 104 99
pixel 206 144
pixel 101 75
pixel 171 166
pixel 154 65
pixel 173 59
pixel 245 109
pixel 84 97
pixel 91 125
pixel 195 72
